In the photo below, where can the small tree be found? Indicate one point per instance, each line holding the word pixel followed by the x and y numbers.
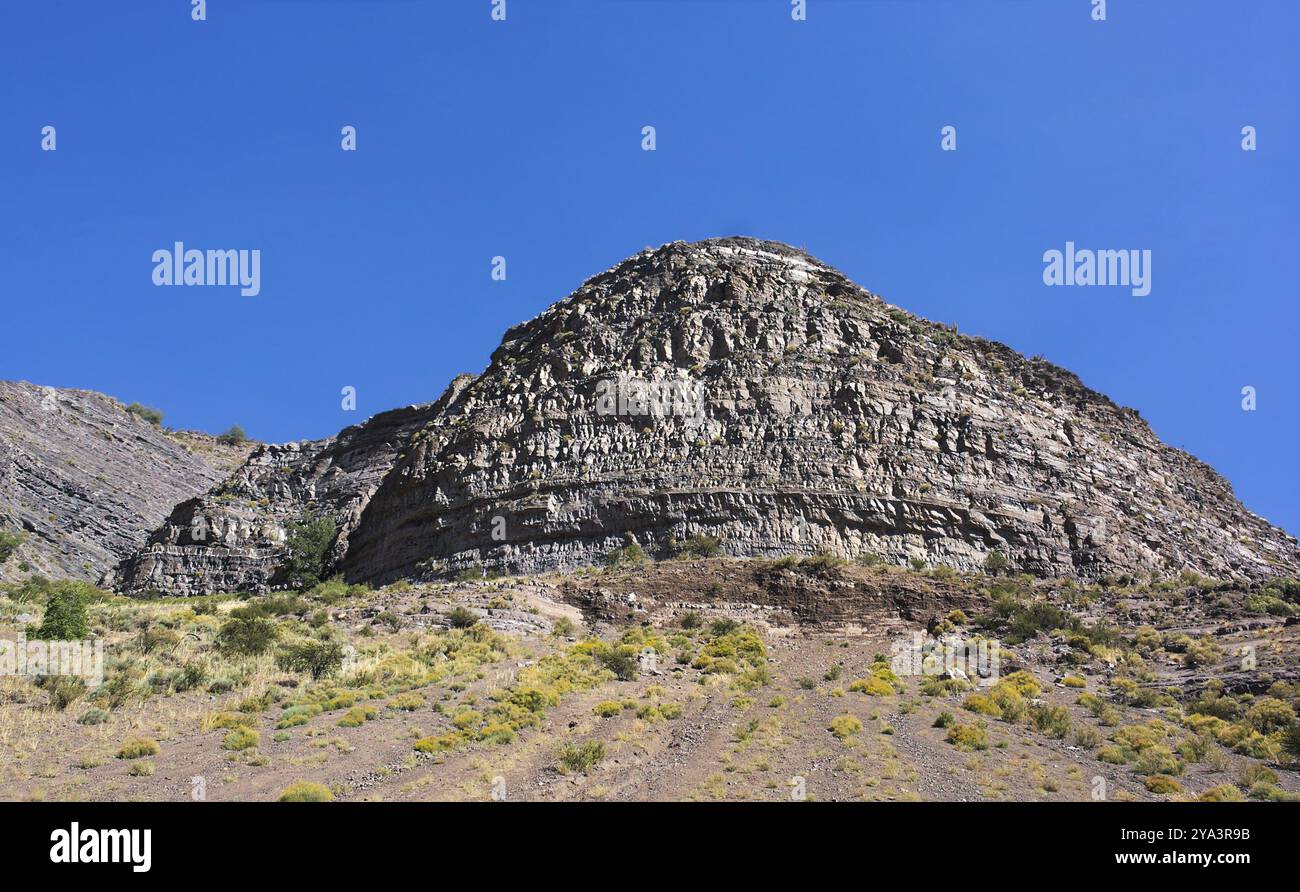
pixel 65 615
pixel 308 543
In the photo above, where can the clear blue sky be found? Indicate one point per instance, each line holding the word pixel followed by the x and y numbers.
pixel 522 139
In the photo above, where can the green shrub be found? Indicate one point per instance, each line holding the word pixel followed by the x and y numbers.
pixel 1157 759
pixel 357 716
pixel 1222 793
pixel 1269 714
pixel 138 747
pixel 845 726
pixel 996 563
pixel 608 708
pixel 461 618
pixel 308 545
pixel 318 657
pixel 93 716
pixel 241 739
pixel 9 543
pixel 235 436
pixel 306 791
pixel 944 720
pixel 968 737
pixel 630 555
pixel 146 413
pixel 246 636
pixel 699 546
pixel 1054 721
pixel 65 614
pixel 583 757
pixel 1163 784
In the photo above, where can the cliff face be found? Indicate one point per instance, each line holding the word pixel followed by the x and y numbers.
pixel 233 537
pixel 84 481
pixel 788 411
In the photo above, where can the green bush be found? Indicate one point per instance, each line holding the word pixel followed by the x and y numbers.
pixel 306 791
pixel 233 437
pixel 461 618
pixel 308 544
pixel 138 747
pixel 699 546
pixel 845 726
pixel 146 413
pixel 583 757
pixel 607 708
pixel 246 636
pixel 241 738
pixel 9 543
pixel 319 657
pixel 65 615
pixel 968 737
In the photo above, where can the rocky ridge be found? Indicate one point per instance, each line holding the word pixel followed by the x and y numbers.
pixel 807 415
pixel 83 480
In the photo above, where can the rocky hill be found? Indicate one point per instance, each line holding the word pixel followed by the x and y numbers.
pixel 739 390
pixel 83 480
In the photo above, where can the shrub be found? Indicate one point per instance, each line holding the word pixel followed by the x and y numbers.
pixel 461 618
pixel 1087 736
pixel 1161 783
pixel 319 657
pixel 308 546
pixel 968 737
pixel 246 636
pixel 1157 759
pixel 357 716
pixel 608 708
pixel 944 720
pixel 630 555
pixel 1054 721
pixel 583 757
pixel 622 660
pixel 241 738
pixel 93 716
pixel 996 563
pixel 1074 681
pixel 408 702
pixel 700 546
pixel 146 413
pixel 138 747
pixel 306 791
pixel 691 619
pixel 845 726
pixel 65 614
pixel 64 690
pixel 141 769
pixel 876 687
pixel 9 543
pixel 1222 793
pixel 235 436
pixel 1269 714
pixel 982 704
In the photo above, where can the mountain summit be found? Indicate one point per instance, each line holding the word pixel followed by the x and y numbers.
pixel 743 391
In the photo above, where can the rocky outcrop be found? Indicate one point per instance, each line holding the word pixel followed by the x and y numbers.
pixel 233 538
pixel 742 390
pixel 83 480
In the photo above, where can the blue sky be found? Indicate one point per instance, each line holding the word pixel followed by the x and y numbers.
pixel 522 139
